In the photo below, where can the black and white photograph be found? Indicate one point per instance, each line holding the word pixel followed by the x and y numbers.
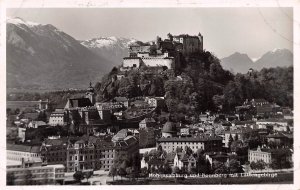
pixel 123 95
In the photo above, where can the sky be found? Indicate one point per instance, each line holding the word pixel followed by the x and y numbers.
pixel 253 31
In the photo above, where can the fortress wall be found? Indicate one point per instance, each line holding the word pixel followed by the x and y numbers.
pixel 131 62
pixel 154 62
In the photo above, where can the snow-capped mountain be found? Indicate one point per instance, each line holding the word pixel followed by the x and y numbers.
pixel 237 62
pixel 111 48
pixel 241 63
pixel 275 58
pixel 42 56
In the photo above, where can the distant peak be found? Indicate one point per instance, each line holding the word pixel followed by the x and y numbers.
pixel 279 50
pixel 20 21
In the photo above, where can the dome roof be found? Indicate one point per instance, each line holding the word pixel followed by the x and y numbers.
pixel 169 127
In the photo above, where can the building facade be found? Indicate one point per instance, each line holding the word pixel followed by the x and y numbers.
pixel 195 143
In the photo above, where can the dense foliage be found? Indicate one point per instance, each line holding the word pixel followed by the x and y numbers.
pixel 200 84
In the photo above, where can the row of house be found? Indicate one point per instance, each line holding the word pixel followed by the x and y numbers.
pixel 76 153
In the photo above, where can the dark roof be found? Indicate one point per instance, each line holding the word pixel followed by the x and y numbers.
pixel 148 120
pixel 242 130
pixel 23 148
pixel 121 99
pixel 185 36
pixel 56 142
pixel 272 120
pixel 259 100
pixel 78 102
pixel 33 115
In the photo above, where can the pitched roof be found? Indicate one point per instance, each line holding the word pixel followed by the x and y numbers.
pixel 120 99
pixel 23 148
pixel 148 120
pixel 78 102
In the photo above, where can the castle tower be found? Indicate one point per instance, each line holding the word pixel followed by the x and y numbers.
pixel 90 94
pixel 158 40
pixel 170 37
pixel 201 41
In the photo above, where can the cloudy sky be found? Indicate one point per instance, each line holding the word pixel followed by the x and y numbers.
pixel 226 30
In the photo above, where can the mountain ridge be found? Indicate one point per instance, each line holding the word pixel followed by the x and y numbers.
pixel 241 62
pixel 42 56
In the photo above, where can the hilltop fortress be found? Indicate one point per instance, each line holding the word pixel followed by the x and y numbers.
pixel 162 53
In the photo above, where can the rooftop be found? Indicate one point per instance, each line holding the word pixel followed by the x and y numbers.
pixel 190 139
pixel 23 148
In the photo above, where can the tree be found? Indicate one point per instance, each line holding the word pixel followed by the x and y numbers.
pixel 78 176
pixel 188 150
pixel 178 149
pixel 28 178
pixel 122 172
pixel 113 172
pixel 230 140
pixel 176 170
pixel 88 175
pixel 219 167
pixel 236 137
pixel 144 171
pixel 218 101
pixel 10 178
pixel 42 116
pixel 234 166
pixel 129 172
pixel 259 165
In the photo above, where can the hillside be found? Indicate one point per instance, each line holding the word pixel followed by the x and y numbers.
pixel 43 57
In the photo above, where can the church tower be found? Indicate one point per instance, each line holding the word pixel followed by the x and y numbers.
pixel 90 94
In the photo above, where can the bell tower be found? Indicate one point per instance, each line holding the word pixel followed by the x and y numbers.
pixel 90 94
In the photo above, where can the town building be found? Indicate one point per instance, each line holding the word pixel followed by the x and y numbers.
pixel 17 152
pixel 273 122
pixel 157 102
pixel 169 129
pixel 122 100
pixel 36 175
pixel 75 103
pixel 90 94
pixel 241 134
pixel 89 153
pixel 36 124
pixel 269 155
pixel 126 144
pixel 146 123
pixel 206 143
pixel 213 157
pixel 281 139
pixel 58 117
pixel 184 161
pixel 54 151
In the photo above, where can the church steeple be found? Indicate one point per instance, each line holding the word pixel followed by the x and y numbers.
pixel 90 94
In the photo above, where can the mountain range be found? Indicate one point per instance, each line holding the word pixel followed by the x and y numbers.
pixel 44 57
pixel 111 48
pixel 40 56
pixel 241 63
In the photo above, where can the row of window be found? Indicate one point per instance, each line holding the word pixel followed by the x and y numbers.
pixel 23 153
